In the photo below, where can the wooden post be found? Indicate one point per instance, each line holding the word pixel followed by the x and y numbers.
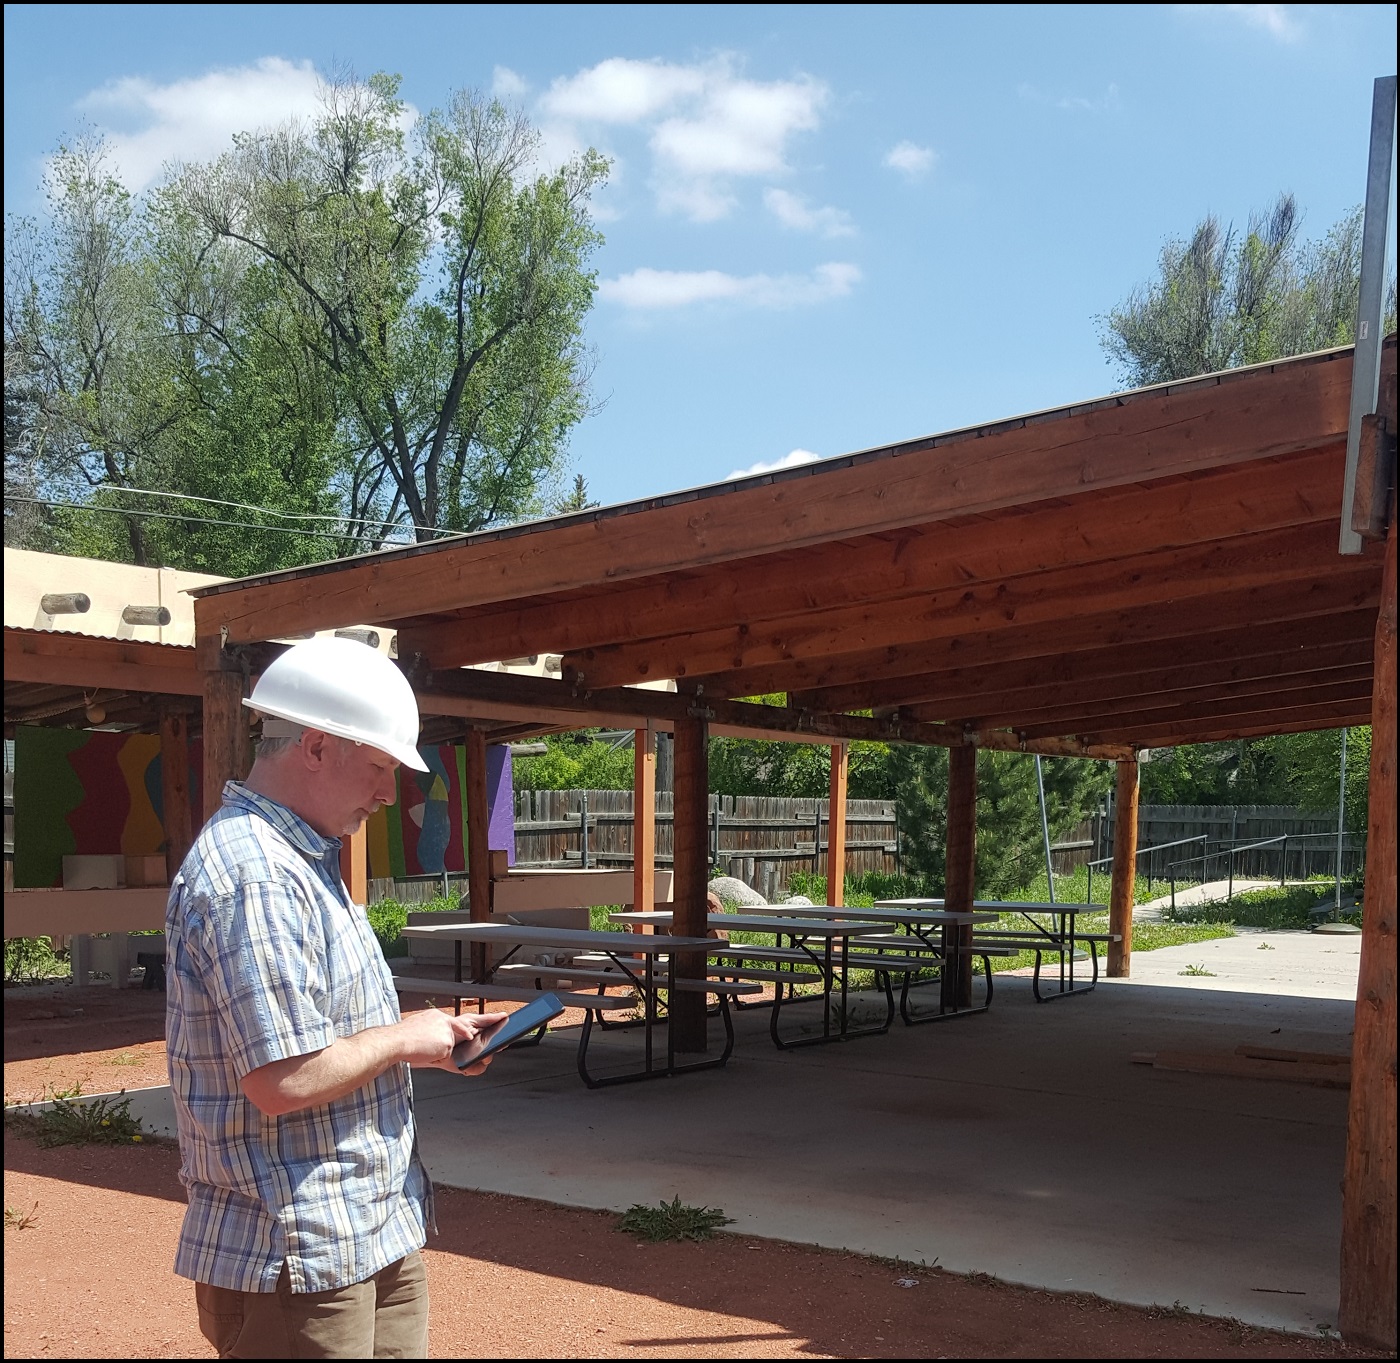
pixel 478 840
pixel 175 786
pixel 961 866
pixel 354 864
pixel 691 862
pixel 1120 899
pixel 1367 1314
pixel 643 822
pixel 227 748
pixel 836 827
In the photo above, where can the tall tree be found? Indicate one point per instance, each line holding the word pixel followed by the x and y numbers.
pixel 439 281
pixel 1223 298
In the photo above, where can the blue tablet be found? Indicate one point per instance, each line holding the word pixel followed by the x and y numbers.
pixel 520 1023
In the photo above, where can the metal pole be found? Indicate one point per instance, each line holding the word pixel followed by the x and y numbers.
pixel 1341 825
pixel 1045 829
pixel 1366 360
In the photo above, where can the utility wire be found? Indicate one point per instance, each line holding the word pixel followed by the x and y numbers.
pixel 192 520
pixel 266 510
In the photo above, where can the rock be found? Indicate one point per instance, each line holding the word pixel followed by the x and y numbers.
pixel 733 891
pixel 800 900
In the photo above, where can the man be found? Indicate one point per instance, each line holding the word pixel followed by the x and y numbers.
pixel 308 1202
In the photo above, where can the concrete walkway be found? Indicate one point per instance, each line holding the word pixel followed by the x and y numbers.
pixel 1019 1142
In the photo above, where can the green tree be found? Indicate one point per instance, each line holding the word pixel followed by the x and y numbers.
pixel 438 281
pixel 1223 298
pixel 1010 848
pixel 1312 766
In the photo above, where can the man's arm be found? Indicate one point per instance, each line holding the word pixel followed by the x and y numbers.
pixel 351 1062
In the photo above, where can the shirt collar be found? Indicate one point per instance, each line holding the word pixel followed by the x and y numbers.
pixel 292 826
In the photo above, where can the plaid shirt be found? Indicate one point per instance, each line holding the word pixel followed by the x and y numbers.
pixel 269 959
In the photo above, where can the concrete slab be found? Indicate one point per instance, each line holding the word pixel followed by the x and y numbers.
pixel 1019 1142
pixel 1258 961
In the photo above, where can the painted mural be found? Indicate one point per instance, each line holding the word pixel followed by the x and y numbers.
pixel 81 792
pixel 84 793
pixel 425 832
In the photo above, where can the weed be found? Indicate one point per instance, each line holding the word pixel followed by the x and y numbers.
pixel 1196 970
pixel 125 1058
pixel 103 1121
pixel 672 1221
pixel 1263 946
pixel 16 1220
pixel 31 959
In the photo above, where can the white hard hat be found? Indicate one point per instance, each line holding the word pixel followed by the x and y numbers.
pixel 344 688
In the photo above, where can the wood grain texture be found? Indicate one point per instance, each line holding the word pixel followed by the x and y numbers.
pixel 1369 1268
pixel 836 825
pixel 1133 438
pixel 1090 528
pixel 227 745
pixel 176 806
pixel 1120 902
pixel 960 851
pixel 692 870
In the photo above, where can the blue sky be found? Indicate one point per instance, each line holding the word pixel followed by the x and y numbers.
pixel 828 227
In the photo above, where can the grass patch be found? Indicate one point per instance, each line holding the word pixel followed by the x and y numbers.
pixel 1196 970
pixel 1146 936
pixel 672 1221
pixel 104 1121
pixel 1285 906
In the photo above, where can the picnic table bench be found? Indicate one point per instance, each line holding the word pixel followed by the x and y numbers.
pixel 646 964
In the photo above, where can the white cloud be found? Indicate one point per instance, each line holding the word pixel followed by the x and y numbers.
pixel 910 159
pixel 1277 21
pixel 196 118
pixel 620 90
pixel 706 126
pixel 792 210
pixel 788 461
pixel 648 290
pixel 508 84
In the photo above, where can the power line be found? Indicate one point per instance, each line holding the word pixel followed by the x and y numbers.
pixel 192 520
pixel 267 510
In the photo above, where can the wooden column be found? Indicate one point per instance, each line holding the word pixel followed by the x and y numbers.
pixel 961 865
pixel 836 827
pixel 354 864
pixel 643 822
pixel 1120 900
pixel 478 839
pixel 227 747
pixel 692 865
pixel 177 815
pixel 1367 1315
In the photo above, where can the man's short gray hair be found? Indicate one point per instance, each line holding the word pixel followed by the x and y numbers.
pixel 276 745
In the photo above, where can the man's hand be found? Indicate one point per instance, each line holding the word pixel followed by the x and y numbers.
pixel 431 1036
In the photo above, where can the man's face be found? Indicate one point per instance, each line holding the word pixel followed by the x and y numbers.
pixel 351 782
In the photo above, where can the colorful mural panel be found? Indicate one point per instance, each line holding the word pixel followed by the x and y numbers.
pixel 84 793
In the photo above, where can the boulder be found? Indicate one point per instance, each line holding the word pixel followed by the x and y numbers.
pixel 734 892
pixel 800 900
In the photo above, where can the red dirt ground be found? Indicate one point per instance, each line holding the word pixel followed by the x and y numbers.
pixel 89 1276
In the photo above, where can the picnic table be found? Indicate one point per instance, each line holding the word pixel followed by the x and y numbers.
pixel 944 933
pixel 645 963
pixel 809 957
pixel 1061 939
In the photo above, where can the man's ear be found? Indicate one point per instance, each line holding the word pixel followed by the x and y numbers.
pixel 314 749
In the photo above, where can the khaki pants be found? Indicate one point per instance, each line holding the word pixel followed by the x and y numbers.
pixel 385 1316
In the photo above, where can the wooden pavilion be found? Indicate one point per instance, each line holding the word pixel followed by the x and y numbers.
pixel 1148 569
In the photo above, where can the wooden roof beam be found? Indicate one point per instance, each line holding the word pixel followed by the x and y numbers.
pixel 1132 438
pixel 475 694
pixel 1228 655
pixel 1118 696
pixel 1355 691
pixel 85 661
pixel 858 680
pixel 1297 490
pixel 1300 720
pixel 1301 554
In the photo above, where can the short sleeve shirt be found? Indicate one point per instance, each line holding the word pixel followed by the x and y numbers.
pixel 269 959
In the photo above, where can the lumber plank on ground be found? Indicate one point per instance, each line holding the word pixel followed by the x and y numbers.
pixel 1304 1057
